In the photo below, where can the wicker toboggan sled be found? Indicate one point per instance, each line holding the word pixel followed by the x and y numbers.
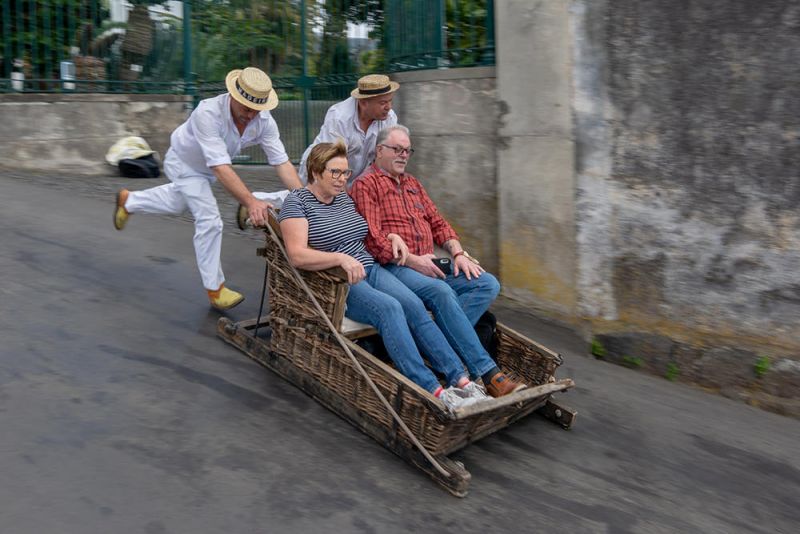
pixel 299 344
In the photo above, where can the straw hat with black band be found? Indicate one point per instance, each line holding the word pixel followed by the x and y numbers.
pixel 374 85
pixel 252 87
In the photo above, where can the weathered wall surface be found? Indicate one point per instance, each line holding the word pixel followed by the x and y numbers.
pixel 452 115
pixel 535 156
pixel 687 124
pixel 72 133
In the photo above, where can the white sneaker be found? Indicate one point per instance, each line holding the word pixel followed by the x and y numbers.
pixel 454 399
pixel 474 391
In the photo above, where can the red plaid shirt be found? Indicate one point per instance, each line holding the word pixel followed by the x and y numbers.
pixel 404 209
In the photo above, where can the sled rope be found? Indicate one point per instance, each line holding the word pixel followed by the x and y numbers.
pixel 355 361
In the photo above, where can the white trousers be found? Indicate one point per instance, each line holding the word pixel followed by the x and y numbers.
pixel 193 193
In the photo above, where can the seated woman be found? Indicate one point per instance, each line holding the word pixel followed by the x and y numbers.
pixel 321 229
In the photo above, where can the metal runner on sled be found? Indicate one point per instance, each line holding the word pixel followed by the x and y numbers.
pixel 307 340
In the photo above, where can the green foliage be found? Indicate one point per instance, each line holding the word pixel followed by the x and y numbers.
pixel 239 34
pixel 598 350
pixel 466 30
pixel 672 371
pixel 632 361
pixel 372 61
pixel 267 34
pixel 761 366
pixel 33 36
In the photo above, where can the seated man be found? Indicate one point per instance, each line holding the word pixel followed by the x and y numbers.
pixel 394 202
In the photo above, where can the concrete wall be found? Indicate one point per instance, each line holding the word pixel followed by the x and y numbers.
pixel 452 115
pixel 72 133
pixel 688 118
pixel 646 179
pixel 535 156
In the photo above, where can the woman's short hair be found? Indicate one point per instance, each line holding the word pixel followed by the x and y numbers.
pixel 321 154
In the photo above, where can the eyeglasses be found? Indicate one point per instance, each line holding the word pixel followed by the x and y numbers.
pixel 337 173
pixel 399 150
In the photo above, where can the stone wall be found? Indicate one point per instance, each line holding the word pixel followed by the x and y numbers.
pixel 535 156
pixel 452 115
pixel 645 182
pixel 687 122
pixel 72 133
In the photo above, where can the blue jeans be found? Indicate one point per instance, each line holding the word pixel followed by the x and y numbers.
pixel 457 304
pixel 401 319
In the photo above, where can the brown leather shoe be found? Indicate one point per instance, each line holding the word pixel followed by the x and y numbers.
pixel 501 385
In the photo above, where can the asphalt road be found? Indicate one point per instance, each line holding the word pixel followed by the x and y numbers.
pixel 122 412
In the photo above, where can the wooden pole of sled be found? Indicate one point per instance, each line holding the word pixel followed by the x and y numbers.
pixel 444 472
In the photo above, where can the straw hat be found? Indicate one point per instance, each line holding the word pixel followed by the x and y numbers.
pixel 252 88
pixel 374 85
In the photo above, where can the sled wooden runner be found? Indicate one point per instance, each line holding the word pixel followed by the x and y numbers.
pixel 296 343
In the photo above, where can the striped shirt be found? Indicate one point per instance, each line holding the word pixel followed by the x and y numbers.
pixel 334 227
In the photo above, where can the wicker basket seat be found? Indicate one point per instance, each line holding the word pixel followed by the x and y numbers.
pixel 302 349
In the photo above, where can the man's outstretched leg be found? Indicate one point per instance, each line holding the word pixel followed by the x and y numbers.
pixel 208 241
pixel 164 199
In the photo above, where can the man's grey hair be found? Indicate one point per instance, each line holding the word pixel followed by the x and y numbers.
pixel 386 132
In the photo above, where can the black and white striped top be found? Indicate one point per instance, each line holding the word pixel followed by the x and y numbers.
pixel 334 227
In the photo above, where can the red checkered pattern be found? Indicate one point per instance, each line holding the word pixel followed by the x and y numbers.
pixel 404 209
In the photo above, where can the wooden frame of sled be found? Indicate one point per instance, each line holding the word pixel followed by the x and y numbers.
pixel 297 343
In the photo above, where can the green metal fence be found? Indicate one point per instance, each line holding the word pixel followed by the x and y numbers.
pixel 425 34
pixel 76 46
pixel 310 48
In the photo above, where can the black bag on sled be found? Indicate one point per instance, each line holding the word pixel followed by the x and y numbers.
pixel 485 328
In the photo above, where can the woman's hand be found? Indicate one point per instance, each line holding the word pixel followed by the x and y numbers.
pixel 355 271
pixel 399 249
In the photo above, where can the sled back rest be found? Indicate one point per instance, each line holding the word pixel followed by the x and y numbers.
pixel 330 283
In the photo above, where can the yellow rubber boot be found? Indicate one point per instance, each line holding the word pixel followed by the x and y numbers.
pixel 120 213
pixel 224 298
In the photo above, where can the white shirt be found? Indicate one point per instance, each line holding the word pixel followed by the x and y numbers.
pixel 209 137
pixel 341 120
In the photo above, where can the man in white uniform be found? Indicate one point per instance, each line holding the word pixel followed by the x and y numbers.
pixel 200 152
pixel 358 120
